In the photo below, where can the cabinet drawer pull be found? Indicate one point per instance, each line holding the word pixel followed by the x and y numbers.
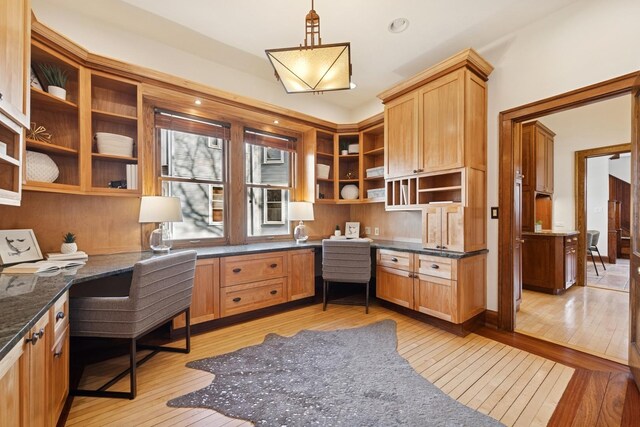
pixel 394 259
pixel 435 266
pixel 57 354
pixel 415 171
pixel 237 270
pixel 274 265
pixel 237 299
pixel 438 246
pixel 1 96
pixel 59 315
pixel 35 337
pixel 443 247
pixel 273 292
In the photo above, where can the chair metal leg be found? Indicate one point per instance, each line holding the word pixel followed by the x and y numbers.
pixel 594 261
pixel 325 289
pixel 366 303
pixel 600 256
pixel 132 369
pixel 187 315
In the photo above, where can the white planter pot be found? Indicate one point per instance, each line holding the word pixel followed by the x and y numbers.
pixel 538 227
pixel 68 248
pixel 57 91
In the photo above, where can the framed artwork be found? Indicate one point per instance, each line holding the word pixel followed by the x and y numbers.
pixel 352 230
pixel 18 246
pixel 34 80
pixel 272 155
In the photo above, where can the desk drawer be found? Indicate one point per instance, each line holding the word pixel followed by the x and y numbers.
pixel 444 268
pixel 252 296
pixel 395 259
pixel 60 316
pixel 251 268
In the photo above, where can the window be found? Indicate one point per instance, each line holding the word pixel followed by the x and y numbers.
pixel 269 165
pixel 193 167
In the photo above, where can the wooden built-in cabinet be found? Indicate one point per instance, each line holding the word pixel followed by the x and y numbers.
pixel 241 283
pixel 34 375
pixel 449 289
pixel 537 175
pixel 401 136
pixel 549 262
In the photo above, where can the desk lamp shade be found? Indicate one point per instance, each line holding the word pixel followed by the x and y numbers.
pixel 300 211
pixel 160 209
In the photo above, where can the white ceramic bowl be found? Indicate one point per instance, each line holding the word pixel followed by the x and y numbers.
pixel 113 144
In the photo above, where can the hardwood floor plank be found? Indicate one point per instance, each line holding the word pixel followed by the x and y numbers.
pixel 592 398
pixel 613 402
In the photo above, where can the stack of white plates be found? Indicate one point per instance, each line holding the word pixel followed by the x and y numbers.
pixel 113 144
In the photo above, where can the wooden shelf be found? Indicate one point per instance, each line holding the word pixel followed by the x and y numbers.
pixel 10 160
pixel 50 148
pixel 114 158
pixel 431 190
pixel 320 154
pixel 356 180
pixel 349 156
pixel 121 192
pixel 114 117
pixel 46 100
pixel 325 201
pixel 375 152
pixel 52 187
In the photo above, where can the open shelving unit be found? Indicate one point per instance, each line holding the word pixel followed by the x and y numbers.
pixel 10 164
pixel 372 157
pixel 416 192
pixel 349 166
pixel 325 187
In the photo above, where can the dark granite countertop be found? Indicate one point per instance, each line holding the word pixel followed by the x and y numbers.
pixel 25 298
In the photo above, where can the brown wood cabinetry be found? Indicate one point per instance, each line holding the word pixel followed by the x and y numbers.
pixel 14 387
pixel 436 120
pixel 449 289
pixel 537 171
pixel 301 279
pixel 549 261
pixel 442 228
pixel 205 295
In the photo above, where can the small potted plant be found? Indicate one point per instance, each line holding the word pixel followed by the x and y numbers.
pixel 69 245
pixel 56 79
pixel 337 232
pixel 538 225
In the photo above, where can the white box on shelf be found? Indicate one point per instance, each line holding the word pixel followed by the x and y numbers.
pixel 375 172
pixel 113 144
pixel 323 171
pixel 375 193
pixel 354 148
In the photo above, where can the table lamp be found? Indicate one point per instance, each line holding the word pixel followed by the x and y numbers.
pixel 300 211
pixel 163 210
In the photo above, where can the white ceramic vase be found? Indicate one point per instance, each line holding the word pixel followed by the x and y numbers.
pixel 68 248
pixel 57 91
pixel 349 192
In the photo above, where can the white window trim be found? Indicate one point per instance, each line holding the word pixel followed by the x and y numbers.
pixel 265 210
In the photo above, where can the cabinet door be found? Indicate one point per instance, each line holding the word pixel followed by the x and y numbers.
pixel 301 274
pixel 395 286
pixel 442 123
pixel 568 266
pixel 38 407
pixel 205 294
pixel 540 145
pixel 58 376
pixel 401 136
pixel 15 18
pixel 13 387
pixel 431 228
pixel 549 163
pixel 435 297
pixel 453 228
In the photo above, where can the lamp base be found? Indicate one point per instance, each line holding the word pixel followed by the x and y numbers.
pixel 300 233
pixel 160 240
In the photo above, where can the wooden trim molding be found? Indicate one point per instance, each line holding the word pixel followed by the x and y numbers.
pixel 491 319
pixel 509 145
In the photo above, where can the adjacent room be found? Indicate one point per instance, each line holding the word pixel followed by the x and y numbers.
pixel 304 212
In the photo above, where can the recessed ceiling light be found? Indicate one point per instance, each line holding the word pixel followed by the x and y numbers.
pixel 352 85
pixel 275 122
pixel 198 102
pixel 398 25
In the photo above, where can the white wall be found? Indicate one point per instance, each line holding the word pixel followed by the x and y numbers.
pixel 621 168
pixel 598 197
pixel 585 43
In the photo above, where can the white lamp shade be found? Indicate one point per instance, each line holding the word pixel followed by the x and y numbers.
pixel 160 209
pixel 300 211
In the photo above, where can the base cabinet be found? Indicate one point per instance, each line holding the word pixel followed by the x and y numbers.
pixel 301 280
pixel 549 262
pixel 449 289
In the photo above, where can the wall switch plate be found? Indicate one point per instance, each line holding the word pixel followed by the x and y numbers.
pixel 494 212
pixel 367 230
pixel 376 231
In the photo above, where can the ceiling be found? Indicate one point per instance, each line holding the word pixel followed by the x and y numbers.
pixel 236 33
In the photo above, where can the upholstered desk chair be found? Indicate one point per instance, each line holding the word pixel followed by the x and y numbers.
pixel 593 237
pixel 346 261
pixel 160 290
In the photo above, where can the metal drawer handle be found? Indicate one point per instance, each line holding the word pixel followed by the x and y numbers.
pixel 273 292
pixel 436 266
pixel 443 247
pixel 237 299
pixel 237 270
pixel 438 246
pixel 394 259
pixel 274 265
pixel 59 315
pixel 35 337
pixel 57 354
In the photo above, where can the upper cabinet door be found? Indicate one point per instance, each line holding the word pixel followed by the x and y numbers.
pixel 15 24
pixel 442 130
pixel 401 136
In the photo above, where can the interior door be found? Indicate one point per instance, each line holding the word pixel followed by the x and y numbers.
pixel 634 285
pixel 519 160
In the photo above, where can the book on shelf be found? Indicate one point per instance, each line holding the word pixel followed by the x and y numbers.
pixel 79 255
pixel 132 177
pixel 41 267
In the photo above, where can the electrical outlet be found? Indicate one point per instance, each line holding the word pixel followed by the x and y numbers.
pixel 367 231
pixel 376 231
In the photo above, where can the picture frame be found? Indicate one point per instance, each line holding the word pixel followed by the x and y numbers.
pixel 272 155
pixel 352 230
pixel 34 81
pixel 18 246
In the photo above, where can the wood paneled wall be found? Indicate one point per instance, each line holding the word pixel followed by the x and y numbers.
pixel 396 225
pixel 326 219
pixel 101 224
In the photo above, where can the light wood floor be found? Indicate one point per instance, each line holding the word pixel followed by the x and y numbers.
pixel 588 319
pixel 616 276
pixel 511 385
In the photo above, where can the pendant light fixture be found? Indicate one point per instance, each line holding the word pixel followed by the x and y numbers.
pixel 313 67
